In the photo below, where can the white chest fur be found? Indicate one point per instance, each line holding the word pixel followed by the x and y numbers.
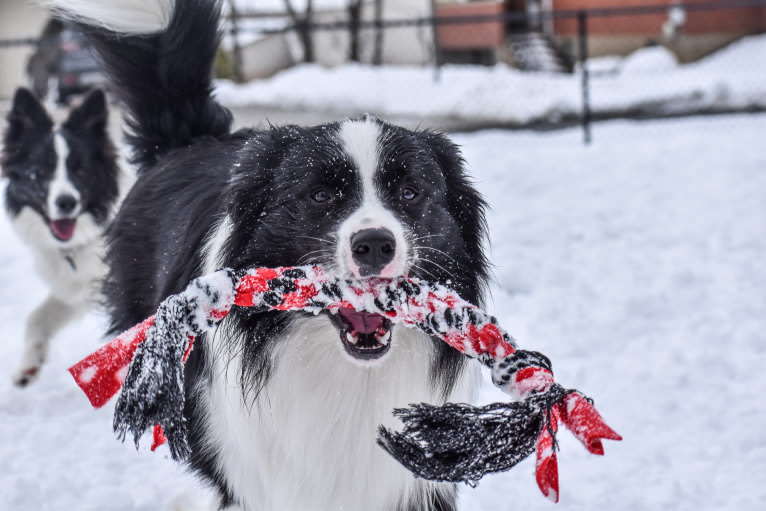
pixel 72 270
pixel 308 441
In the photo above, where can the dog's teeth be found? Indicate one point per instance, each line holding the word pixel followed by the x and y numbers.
pixel 385 339
pixel 350 338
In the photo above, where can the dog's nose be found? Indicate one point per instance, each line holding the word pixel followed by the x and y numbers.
pixel 66 203
pixel 372 250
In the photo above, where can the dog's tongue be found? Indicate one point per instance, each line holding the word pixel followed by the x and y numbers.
pixel 63 229
pixel 362 322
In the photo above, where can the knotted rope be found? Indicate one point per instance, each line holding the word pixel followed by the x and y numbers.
pixel 453 442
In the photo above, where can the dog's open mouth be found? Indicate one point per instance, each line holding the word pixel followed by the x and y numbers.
pixel 364 335
pixel 63 229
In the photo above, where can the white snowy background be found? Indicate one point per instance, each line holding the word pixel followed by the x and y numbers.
pixel 648 82
pixel 637 264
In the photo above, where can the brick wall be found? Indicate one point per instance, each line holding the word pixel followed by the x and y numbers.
pixel 734 21
pixel 470 36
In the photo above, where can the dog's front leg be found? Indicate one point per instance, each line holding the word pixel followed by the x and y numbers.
pixel 43 324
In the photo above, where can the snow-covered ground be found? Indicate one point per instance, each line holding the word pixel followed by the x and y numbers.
pixel 648 82
pixel 636 264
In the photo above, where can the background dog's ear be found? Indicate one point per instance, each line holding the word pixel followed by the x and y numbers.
pixel 27 120
pixel 91 115
pixel 26 115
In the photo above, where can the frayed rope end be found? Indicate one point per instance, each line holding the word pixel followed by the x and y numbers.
pixel 462 443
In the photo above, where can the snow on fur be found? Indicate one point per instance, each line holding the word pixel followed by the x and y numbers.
pixel 440 443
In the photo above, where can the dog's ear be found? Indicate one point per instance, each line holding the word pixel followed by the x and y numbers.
pixel 27 115
pixel 91 116
pixel 464 202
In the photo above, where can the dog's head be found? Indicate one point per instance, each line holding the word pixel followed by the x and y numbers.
pixel 59 172
pixel 364 198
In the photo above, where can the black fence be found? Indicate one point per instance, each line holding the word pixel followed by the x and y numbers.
pixel 576 53
pixel 713 5
pixel 24 41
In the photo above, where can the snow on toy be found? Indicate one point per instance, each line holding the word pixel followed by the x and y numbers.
pixel 453 442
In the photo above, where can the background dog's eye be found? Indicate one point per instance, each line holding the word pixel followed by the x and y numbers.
pixel 409 194
pixel 321 196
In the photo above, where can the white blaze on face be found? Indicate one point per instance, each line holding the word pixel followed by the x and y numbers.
pixel 60 185
pixel 360 140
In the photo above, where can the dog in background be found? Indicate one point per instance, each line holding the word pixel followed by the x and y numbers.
pixel 62 191
pixel 283 408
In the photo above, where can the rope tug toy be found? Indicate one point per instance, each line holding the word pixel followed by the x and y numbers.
pixel 453 442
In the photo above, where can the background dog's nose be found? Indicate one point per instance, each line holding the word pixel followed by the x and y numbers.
pixel 66 203
pixel 372 250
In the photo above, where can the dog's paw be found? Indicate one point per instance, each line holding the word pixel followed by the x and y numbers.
pixel 25 375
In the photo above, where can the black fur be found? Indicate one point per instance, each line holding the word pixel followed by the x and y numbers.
pixel 164 81
pixel 29 157
pixel 194 172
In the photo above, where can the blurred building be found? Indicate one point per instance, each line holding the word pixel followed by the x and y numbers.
pixel 18 19
pixel 690 34
pixel 263 55
pixel 537 42
pixel 411 45
pixel 525 40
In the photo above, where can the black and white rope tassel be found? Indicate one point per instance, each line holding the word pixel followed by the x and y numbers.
pixel 462 443
pixel 153 391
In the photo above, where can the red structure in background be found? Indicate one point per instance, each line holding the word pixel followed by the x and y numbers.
pixel 703 31
pixel 733 21
pixel 471 36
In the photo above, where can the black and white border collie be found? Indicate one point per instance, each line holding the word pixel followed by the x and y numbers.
pixel 282 407
pixel 63 184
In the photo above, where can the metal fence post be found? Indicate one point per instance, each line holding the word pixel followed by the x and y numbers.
pixel 236 48
pixel 437 50
pixel 582 26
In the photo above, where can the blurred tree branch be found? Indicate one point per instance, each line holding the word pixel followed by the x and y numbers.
pixel 354 17
pixel 302 22
pixel 377 56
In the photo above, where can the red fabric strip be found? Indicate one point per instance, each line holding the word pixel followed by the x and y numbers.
pixel 586 424
pixel 158 437
pixel 100 374
pixel 547 466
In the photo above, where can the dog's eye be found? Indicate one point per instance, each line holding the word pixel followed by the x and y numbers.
pixel 320 196
pixel 409 194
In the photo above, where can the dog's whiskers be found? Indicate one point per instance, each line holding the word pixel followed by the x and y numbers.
pixel 418 267
pixel 322 240
pixel 322 254
pixel 438 251
pixel 447 272
pixel 419 238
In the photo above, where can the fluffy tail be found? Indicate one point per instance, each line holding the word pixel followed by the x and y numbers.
pixel 158 55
